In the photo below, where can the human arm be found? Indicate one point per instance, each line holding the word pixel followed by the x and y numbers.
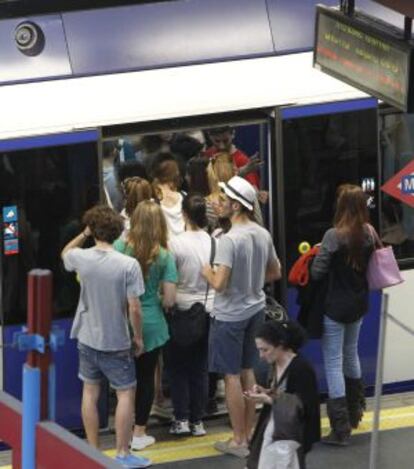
pixel 322 261
pixel 135 319
pixel 76 242
pixel 169 281
pixel 273 271
pixel 273 268
pixel 218 278
pixel 169 291
pixel 260 397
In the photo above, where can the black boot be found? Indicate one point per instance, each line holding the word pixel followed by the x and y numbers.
pixel 355 398
pixel 339 419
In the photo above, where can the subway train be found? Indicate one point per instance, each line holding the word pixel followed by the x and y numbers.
pixel 73 79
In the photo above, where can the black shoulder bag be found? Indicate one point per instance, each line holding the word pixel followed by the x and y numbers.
pixel 288 414
pixel 189 326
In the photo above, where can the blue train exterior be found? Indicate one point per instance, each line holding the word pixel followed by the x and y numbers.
pixel 157 66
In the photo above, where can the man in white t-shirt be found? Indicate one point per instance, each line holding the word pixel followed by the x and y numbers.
pixel 245 260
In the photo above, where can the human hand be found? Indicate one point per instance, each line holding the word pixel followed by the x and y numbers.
pixel 259 397
pixel 206 271
pixel 254 164
pixel 138 345
pixel 263 197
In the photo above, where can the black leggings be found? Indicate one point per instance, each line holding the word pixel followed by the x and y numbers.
pixel 145 366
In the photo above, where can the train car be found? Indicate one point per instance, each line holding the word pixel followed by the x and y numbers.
pixel 73 79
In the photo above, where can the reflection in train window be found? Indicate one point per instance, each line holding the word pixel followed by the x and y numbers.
pixel 321 153
pixel 397 145
pixel 51 188
pixel 137 155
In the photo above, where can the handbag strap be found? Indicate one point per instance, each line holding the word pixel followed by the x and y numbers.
pixel 284 376
pixel 212 256
pixel 374 236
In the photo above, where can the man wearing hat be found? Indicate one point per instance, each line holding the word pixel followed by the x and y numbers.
pixel 246 259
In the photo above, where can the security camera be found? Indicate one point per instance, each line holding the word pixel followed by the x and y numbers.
pixel 29 38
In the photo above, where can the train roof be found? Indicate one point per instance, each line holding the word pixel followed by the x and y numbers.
pixel 96 101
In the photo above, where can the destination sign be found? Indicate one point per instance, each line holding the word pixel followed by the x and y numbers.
pixel 366 53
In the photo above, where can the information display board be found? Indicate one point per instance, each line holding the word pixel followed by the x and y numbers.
pixel 366 53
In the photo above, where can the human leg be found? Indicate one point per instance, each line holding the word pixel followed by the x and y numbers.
pixel 178 373
pixel 91 375
pixel 352 369
pixel 248 380
pixel 225 356
pixel 90 416
pixel 145 366
pixel 198 381
pixel 332 349
pixel 236 405
pixel 249 360
pixel 123 419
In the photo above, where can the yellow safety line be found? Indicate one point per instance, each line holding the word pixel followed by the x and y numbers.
pixel 185 448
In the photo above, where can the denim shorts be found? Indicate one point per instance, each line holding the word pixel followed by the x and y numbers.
pixel 232 345
pixel 118 367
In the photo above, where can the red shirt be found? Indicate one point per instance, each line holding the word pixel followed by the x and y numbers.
pixel 240 159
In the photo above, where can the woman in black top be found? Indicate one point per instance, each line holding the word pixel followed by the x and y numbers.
pixel 343 258
pixel 278 344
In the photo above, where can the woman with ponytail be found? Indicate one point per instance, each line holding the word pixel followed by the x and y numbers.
pixel 279 344
pixel 343 258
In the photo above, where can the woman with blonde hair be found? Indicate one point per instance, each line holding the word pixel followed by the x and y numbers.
pixel 343 258
pixel 147 242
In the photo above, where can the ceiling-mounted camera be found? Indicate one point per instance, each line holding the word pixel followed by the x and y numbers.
pixel 29 38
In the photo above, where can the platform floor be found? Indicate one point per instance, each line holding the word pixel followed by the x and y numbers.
pixel 395 443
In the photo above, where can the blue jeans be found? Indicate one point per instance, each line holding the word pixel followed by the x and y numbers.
pixel 340 354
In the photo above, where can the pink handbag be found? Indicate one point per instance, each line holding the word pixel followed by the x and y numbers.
pixel 382 271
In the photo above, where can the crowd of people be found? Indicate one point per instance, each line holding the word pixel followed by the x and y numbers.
pixel 181 241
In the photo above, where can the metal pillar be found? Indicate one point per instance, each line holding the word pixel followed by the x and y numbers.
pixel 373 455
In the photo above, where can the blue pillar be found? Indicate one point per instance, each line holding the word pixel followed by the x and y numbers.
pixel 31 415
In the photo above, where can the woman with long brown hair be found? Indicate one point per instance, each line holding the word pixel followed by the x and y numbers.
pixel 147 242
pixel 135 190
pixel 166 184
pixel 343 257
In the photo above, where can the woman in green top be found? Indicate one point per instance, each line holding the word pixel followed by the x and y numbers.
pixel 147 242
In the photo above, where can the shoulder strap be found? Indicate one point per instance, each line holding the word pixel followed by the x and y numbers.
pixel 284 374
pixel 213 250
pixel 212 256
pixel 374 236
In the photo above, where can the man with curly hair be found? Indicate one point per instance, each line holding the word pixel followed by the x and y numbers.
pixel 111 284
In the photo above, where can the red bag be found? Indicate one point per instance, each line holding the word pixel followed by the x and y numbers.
pixel 299 273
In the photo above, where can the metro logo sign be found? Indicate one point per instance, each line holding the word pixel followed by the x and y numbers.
pixel 401 186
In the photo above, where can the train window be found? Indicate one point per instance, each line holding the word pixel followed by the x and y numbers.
pixel 43 194
pixel 320 153
pixel 397 147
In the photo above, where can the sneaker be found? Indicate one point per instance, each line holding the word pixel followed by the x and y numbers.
pixel 180 427
pixel 141 442
pixel 131 461
pixel 197 429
